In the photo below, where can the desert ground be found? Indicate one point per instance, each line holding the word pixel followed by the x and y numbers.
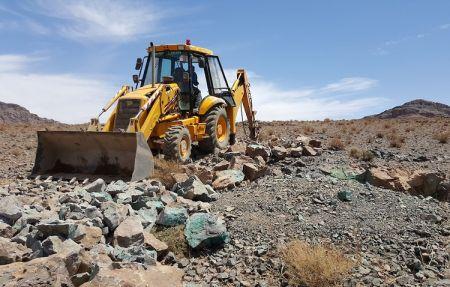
pixel 323 203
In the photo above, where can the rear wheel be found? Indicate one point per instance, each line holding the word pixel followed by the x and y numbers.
pixel 217 129
pixel 177 144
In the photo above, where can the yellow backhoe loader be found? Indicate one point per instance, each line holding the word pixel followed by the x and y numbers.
pixel 165 111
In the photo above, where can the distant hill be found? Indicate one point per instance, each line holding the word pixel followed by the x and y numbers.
pixel 12 114
pixel 416 108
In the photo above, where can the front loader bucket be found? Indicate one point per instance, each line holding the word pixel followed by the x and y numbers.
pixel 113 154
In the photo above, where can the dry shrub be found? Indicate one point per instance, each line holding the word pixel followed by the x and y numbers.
pixel 315 265
pixel 396 140
pixel 308 130
pixel 327 120
pixel 354 152
pixel 442 137
pixel 387 126
pixel 174 238
pixel 336 144
pixel 365 155
pixel 380 135
pixel 164 170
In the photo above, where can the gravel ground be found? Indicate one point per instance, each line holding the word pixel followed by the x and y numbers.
pixel 394 238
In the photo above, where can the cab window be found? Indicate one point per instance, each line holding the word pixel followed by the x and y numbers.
pixel 219 84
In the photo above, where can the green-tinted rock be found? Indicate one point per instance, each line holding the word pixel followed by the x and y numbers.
pixel 345 195
pixel 204 230
pixel 172 216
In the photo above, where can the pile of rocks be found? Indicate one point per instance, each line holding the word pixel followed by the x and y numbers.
pixel 99 231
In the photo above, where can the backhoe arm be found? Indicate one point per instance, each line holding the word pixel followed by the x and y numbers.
pixel 242 96
pixel 95 124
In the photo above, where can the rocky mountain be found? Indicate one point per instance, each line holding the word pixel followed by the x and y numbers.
pixel 13 113
pixel 416 108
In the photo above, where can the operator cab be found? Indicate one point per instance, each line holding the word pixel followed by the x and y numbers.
pixel 196 71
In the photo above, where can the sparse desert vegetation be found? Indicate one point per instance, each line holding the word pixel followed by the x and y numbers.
pixel 315 265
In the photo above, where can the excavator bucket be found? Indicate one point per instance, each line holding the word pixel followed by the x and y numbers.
pixel 80 154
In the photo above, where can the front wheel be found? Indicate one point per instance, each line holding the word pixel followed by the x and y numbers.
pixel 177 144
pixel 217 130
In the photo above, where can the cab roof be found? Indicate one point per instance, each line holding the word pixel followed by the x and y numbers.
pixel 181 47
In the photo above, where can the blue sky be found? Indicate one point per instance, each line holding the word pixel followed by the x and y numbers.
pixel 306 59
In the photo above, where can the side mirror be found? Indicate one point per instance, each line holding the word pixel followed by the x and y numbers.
pixel 138 65
pixel 135 79
pixel 201 63
pixel 185 77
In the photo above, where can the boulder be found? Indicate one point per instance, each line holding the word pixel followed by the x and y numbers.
pixel 223 165
pixel 193 189
pixel 87 236
pixel 155 203
pixel 56 269
pixel 10 209
pixel 345 195
pixel 137 253
pixel 116 187
pixel 279 152
pixel 309 151
pixel 52 245
pixel 237 162
pixel 129 233
pixel 296 151
pixel 97 198
pixel 227 178
pixel 12 252
pixel 179 177
pixel 150 241
pixel 315 143
pixel 113 214
pixel 418 181
pixel 253 150
pixel 172 216
pixel 303 140
pixel 160 275
pixel 252 171
pixel 148 216
pixel 167 198
pixel 6 230
pixel 205 175
pixel 204 230
pixel 98 186
pixel 54 227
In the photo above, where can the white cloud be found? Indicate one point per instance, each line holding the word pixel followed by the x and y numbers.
pixel 74 98
pixel 273 102
pixel 67 98
pixel 11 62
pixel 350 85
pixel 100 20
pixel 445 26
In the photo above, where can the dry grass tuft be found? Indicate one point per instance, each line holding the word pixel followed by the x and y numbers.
pixel 365 155
pixel 396 140
pixel 336 144
pixel 174 238
pixel 164 170
pixel 315 265
pixel 442 137
pixel 308 130
pixel 380 135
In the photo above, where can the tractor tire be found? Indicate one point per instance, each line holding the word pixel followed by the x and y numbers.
pixel 177 144
pixel 217 130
